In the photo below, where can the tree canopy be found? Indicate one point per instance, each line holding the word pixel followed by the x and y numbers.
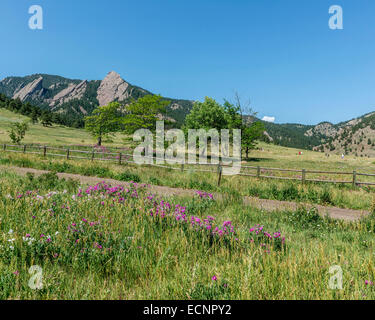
pixel 209 114
pixel 104 120
pixel 18 130
pixel 143 113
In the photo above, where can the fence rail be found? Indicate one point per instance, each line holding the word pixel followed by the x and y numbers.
pixel 123 158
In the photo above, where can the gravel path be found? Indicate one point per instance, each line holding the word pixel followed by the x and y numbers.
pixel 265 204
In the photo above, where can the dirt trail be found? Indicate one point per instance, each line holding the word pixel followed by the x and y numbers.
pixel 265 204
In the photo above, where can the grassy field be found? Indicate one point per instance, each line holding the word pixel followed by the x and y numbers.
pixel 112 243
pixel 265 155
pixel 344 196
pixel 55 135
pixel 108 242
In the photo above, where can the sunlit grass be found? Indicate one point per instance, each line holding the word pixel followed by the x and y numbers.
pixel 132 255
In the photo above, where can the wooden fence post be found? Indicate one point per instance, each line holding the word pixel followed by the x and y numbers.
pixel 67 154
pixel 354 178
pixel 258 171
pixel 4 146
pixel 220 171
pixel 24 148
pixel 44 151
pixel 119 158
pixel 182 167
pixel 303 178
pixel 92 155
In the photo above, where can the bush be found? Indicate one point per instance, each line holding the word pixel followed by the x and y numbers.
pixel 303 219
pixel 312 195
pixel 128 176
pixel 325 196
pixel 200 185
pixel 214 291
pixel 290 192
pixel 154 181
pixel 49 181
pixel 97 171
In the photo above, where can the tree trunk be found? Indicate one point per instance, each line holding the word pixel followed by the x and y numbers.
pixel 100 141
pixel 247 153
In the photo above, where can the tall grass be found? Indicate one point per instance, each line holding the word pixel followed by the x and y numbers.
pixel 103 242
pixel 339 195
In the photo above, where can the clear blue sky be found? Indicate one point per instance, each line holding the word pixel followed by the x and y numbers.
pixel 278 53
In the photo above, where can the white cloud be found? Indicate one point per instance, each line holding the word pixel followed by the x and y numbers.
pixel 268 119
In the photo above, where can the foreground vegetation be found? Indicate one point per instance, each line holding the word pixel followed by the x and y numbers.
pixel 107 242
pixel 338 195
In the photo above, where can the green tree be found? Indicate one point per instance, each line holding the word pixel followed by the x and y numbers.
pixel 46 119
pixel 207 115
pixel 250 135
pixel 233 115
pixel 105 120
pixel 242 116
pixel 17 131
pixel 34 116
pixel 143 113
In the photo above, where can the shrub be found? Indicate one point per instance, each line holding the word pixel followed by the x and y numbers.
pixel 201 185
pixel 303 218
pixel 325 196
pixel 213 291
pixel 290 192
pixel 128 176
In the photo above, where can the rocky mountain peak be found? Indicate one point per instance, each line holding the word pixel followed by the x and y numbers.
pixel 71 92
pixel 324 128
pixel 34 88
pixel 112 88
pixel 75 98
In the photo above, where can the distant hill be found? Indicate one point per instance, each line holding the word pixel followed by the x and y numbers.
pixel 293 135
pixel 77 98
pixel 356 136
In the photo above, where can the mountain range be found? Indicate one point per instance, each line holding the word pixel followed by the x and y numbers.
pixel 356 136
pixel 78 98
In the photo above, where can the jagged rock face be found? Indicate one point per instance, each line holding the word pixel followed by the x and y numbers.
pixel 325 129
pixel 112 88
pixel 79 98
pixel 175 106
pixel 31 90
pixel 268 136
pixel 70 93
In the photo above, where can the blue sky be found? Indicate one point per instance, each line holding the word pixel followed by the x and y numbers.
pixel 280 54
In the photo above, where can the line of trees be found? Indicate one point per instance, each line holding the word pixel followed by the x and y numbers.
pixel 210 114
pixel 144 112
pixel 138 114
pixel 37 114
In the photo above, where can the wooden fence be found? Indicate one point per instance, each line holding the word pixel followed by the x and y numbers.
pixel 123 158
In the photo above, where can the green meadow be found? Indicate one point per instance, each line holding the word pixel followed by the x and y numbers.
pixel 110 242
